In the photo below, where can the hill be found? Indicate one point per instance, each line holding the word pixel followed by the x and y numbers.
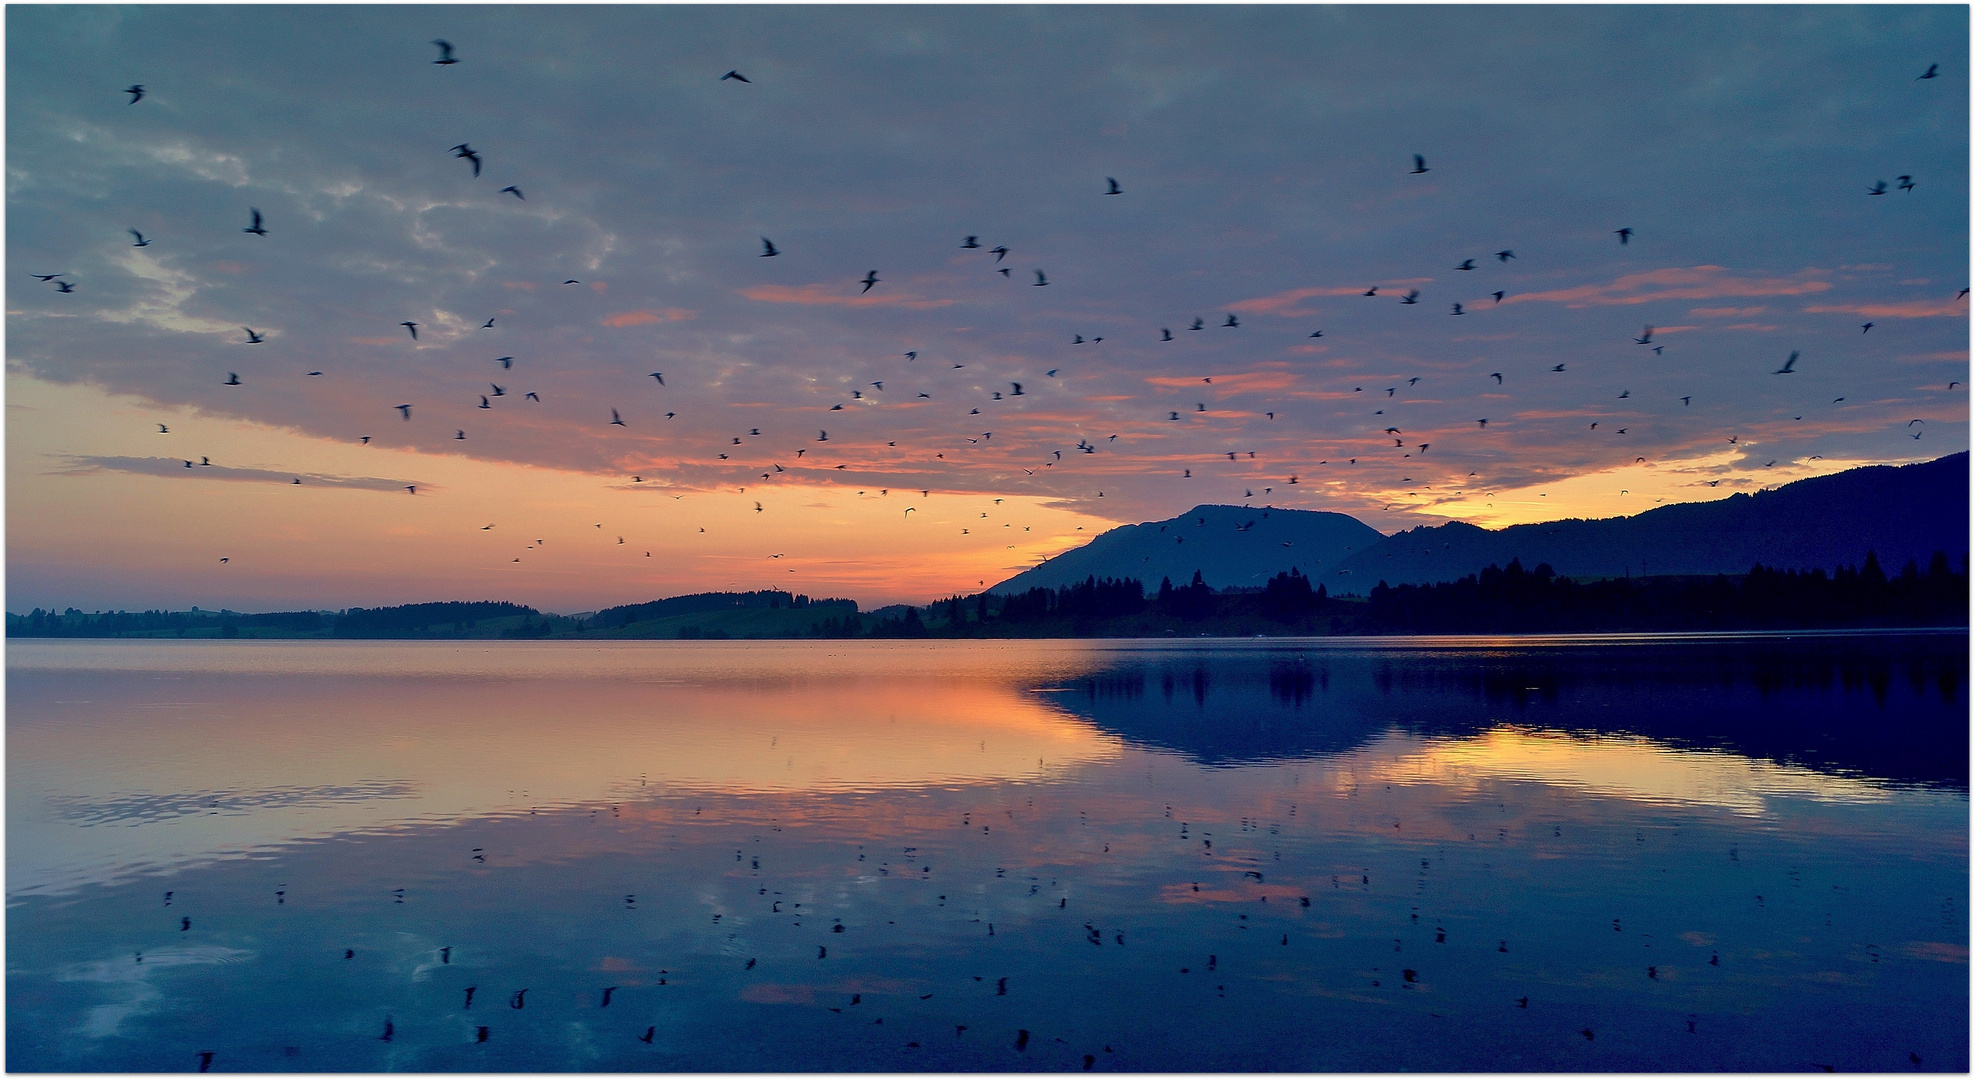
pixel 1230 546
pixel 1900 512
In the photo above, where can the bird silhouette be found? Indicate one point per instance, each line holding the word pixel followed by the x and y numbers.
pixel 1906 183
pixel 660 376
pixel 1458 311
pixel 445 52
pixel 404 411
pixel 1040 279
pixel 136 92
pixel 467 152
pixel 1645 338
pixel 1877 189
pixel 615 419
pixel 1232 321
pixel 255 228
pixel 504 361
pixel 870 279
pixel 1165 334
pixel 736 76
pixel 1419 164
pixel 1933 71
pixel 1466 264
pixel 1789 366
pixel 253 338
pixel 411 326
pixel 48 277
pixel 232 379
pixel 517 194
pixel 1505 255
pixel 141 242
pixel 1412 297
pixel 1867 328
pixel 768 250
pixel 1624 236
pixel 1497 376
pixel 1115 189
pixel 999 252
pixel 64 286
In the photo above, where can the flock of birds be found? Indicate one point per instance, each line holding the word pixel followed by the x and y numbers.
pixel 745 450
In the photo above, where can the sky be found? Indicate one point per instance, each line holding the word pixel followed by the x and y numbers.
pixel 947 425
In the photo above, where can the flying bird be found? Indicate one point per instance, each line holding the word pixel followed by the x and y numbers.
pixel 1867 328
pixel 516 191
pixel 467 152
pixel 768 250
pixel 1645 338
pixel 411 326
pixel 1466 264
pixel 141 242
pixel 1906 183
pixel 1624 236
pixel 1505 255
pixel 1877 189
pixel 1232 321
pixel 660 376
pixel 136 92
pixel 1497 376
pixel 736 76
pixel 64 286
pixel 1419 164
pixel 1412 297
pixel 1933 72
pixel 255 228
pixel 48 277
pixel 253 338
pixel 1318 333
pixel 488 325
pixel 998 252
pixel 616 419
pixel 1040 279
pixel 1498 297
pixel 445 51
pixel 232 379
pixel 1197 323
pixel 1373 291
pixel 163 430
pixel 404 411
pixel 1165 334
pixel 1115 189
pixel 1789 366
pixel 499 390
pixel 1458 311
pixel 870 279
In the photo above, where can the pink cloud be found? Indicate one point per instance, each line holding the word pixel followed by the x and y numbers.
pixel 1727 312
pixel 1910 309
pixel 1284 303
pixel 1675 283
pixel 645 316
pixel 819 294
pixel 1765 327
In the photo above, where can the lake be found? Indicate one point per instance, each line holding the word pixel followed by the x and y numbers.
pixel 1654 852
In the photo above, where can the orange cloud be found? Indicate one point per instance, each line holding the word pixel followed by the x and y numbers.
pixel 819 294
pixel 1911 309
pixel 1675 283
pixel 644 316
pixel 1228 384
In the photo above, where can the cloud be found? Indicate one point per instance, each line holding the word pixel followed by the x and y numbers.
pixel 1726 312
pixel 645 316
pixel 818 294
pixel 81 465
pixel 1910 309
pixel 1675 283
pixel 1284 303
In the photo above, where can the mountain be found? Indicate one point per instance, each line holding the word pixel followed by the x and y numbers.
pixel 1901 512
pixel 1228 545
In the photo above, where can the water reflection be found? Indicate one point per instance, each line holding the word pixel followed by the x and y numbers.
pixel 1253 856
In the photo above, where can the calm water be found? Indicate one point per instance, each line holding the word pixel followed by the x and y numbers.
pixel 1577 854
